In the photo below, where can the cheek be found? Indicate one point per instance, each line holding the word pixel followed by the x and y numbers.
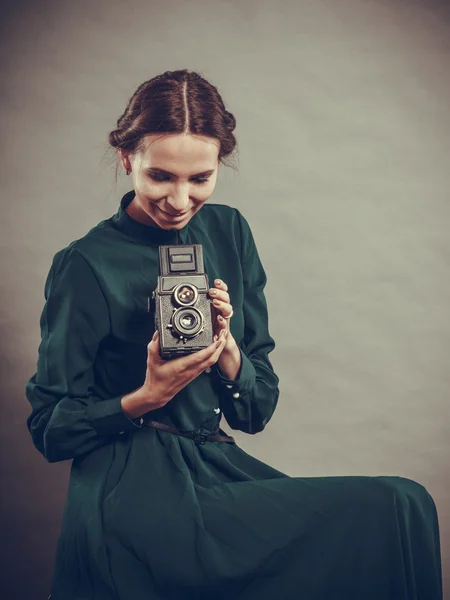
pixel 202 193
pixel 149 193
pixel 153 192
pixel 150 190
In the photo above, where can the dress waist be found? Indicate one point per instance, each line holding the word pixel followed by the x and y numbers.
pixel 199 438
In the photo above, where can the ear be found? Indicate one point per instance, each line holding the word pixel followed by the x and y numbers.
pixel 124 159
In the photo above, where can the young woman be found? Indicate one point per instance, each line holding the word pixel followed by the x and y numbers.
pixel 162 505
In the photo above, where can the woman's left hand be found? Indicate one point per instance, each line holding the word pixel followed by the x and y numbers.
pixel 221 308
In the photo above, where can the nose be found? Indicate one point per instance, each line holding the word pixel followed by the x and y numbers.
pixel 178 204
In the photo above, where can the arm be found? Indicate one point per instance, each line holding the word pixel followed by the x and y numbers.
pixel 249 400
pixel 67 418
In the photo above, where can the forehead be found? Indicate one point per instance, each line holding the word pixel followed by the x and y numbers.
pixel 181 153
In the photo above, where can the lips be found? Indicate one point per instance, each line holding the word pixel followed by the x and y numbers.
pixel 174 214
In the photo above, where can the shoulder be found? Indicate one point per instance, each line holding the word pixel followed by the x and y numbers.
pixel 222 212
pixel 226 220
pixel 80 266
pixel 100 240
pixel 73 268
pixel 69 270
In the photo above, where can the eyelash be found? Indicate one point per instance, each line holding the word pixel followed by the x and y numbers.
pixel 200 180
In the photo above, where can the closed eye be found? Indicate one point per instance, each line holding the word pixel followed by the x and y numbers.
pixel 164 178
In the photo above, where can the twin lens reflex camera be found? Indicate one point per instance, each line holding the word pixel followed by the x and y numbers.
pixel 180 302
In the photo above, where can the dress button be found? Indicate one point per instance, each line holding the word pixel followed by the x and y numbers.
pixel 236 395
pixel 217 411
pixel 229 386
pixel 141 420
pixel 208 370
pixel 120 432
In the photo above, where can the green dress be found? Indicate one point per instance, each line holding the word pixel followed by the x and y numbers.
pixel 151 515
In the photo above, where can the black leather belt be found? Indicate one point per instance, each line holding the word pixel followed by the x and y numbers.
pixel 199 438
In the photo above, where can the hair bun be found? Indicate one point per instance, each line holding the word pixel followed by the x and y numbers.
pixel 172 103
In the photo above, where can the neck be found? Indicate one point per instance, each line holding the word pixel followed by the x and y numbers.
pixel 136 212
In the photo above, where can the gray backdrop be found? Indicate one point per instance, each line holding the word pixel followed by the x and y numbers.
pixel 343 128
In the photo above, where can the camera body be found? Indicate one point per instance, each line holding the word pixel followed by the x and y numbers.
pixel 182 307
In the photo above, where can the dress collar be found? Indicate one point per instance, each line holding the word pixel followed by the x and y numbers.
pixel 147 234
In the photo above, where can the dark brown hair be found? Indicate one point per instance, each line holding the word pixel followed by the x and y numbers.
pixel 174 102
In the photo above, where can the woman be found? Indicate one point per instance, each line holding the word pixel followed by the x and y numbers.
pixel 161 504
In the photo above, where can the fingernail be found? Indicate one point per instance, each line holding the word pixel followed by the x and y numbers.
pixel 154 335
pixel 220 318
pixel 217 282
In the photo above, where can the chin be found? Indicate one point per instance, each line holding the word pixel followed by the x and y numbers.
pixel 160 220
pixel 173 226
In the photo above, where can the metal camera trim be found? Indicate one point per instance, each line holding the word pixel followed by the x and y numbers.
pixel 189 285
pixel 182 335
pixel 185 263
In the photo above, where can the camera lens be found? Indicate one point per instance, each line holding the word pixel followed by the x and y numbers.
pixel 185 294
pixel 187 322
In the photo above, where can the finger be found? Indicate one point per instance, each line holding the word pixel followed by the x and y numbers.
pixel 220 295
pixel 223 323
pixel 212 359
pixel 153 343
pixel 218 339
pixel 218 283
pixel 197 358
pixel 223 307
pixel 202 359
pixel 218 351
pixel 153 349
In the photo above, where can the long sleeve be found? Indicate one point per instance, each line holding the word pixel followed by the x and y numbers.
pixel 67 418
pixel 249 401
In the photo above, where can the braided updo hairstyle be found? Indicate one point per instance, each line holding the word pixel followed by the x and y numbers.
pixel 174 102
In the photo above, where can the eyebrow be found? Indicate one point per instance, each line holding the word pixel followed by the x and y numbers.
pixel 163 172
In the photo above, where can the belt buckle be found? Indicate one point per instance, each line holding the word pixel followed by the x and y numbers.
pixel 199 438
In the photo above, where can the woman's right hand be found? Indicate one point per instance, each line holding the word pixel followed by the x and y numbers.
pixel 165 378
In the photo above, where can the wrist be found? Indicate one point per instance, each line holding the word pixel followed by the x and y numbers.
pixel 136 403
pixel 229 362
pixel 231 346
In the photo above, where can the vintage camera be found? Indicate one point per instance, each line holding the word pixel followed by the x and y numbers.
pixel 182 307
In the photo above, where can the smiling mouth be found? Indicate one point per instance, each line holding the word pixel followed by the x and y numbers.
pixel 173 214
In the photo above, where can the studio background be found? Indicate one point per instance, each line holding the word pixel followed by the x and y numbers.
pixel 343 131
